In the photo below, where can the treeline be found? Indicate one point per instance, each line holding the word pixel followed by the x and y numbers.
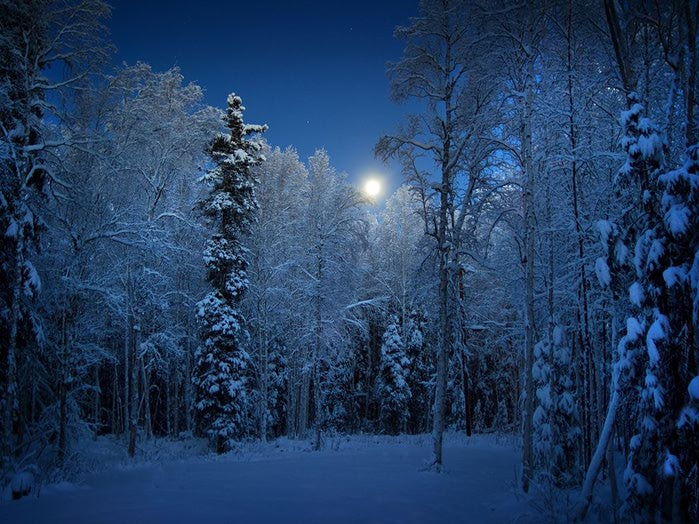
pixel 110 201
pixel 537 271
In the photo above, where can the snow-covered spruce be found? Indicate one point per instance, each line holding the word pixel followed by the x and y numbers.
pixel 556 425
pixel 394 391
pixel 24 174
pixel 222 365
pixel 564 414
pixel 663 451
pixel 543 431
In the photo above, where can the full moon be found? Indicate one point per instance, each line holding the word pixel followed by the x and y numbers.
pixel 372 187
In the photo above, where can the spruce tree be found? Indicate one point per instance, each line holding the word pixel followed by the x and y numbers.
pixel 420 370
pixel 23 177
pixel 556 430
pixel 501 423
pixel 662 469
pixel 564 414
pixel 543 431
pixel 394 392
pixel 222 365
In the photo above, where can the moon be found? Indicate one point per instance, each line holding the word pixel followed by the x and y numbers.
pixel 372 187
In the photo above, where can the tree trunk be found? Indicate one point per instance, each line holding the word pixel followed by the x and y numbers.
pixel 62 408
pixel 530 248
pixel 96 400
pixel 145 386
pixel 304 399
pixel 468 412
pixel 598 457
pixel 133 382
pixel 10 385
pixel 614 488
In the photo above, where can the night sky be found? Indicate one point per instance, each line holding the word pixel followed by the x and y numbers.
pixel 314 71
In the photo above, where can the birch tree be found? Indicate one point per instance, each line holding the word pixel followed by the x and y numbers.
pixel 437 71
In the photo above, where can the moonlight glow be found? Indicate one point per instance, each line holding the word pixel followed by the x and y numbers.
pixel 372 187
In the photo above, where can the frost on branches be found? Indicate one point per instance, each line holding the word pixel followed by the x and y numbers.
pixel 222 366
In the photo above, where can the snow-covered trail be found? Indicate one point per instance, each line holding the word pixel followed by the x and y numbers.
pixel 375 481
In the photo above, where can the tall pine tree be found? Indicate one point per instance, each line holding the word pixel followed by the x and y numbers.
pixel 222 365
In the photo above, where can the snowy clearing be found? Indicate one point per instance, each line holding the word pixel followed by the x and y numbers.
pixel 354 479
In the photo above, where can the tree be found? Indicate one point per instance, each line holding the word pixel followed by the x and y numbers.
pixel 420 370
pixel 123 238
pixel 222 366
pixel 442 58
pixel 661 463
pixel 564 415
pixel 33 37
pixel 542 418
pixel 331 230
pixel 275 250
pixel 394 391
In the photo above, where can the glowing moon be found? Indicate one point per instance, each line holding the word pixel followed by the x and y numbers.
pixel 372 187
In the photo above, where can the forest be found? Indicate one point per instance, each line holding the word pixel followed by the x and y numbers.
pixel 167 273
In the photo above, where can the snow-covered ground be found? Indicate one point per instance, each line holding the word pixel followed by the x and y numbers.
pixel 360 479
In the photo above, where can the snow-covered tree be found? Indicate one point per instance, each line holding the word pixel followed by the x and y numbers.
pixel 542 419
pixel 222 363
pixel 420 370
pixel 394 391
pixel 325 282
pixel 33 37
pixel 556 431
pixel 275 251
pixel 277 389
pixel 502 418
pixel 442 58
pixel 564 415
pixel 666 299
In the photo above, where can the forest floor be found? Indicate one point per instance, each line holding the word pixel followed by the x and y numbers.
pixel 362 479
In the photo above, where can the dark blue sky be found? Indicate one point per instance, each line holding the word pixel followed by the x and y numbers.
pixel 314 71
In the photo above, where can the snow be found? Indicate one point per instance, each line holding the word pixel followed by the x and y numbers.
pixel 602 272
pixel 671 466
pixel 634 329
pixel 657 331
pixel 689 416
pixel 605 229
pixel 622 252
pixel 635 443
pixel 12 229
pixel 693 388
pixel 544 396
pixel 22 483
pixel 354 479
pixel 636 294
pixel 32 281
pixel 656 251
pixel 655 391
pixel 651 145
pixel 674 275
pixel 558 335
pixel 632 114
pixel 639 484
pixel 677 219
